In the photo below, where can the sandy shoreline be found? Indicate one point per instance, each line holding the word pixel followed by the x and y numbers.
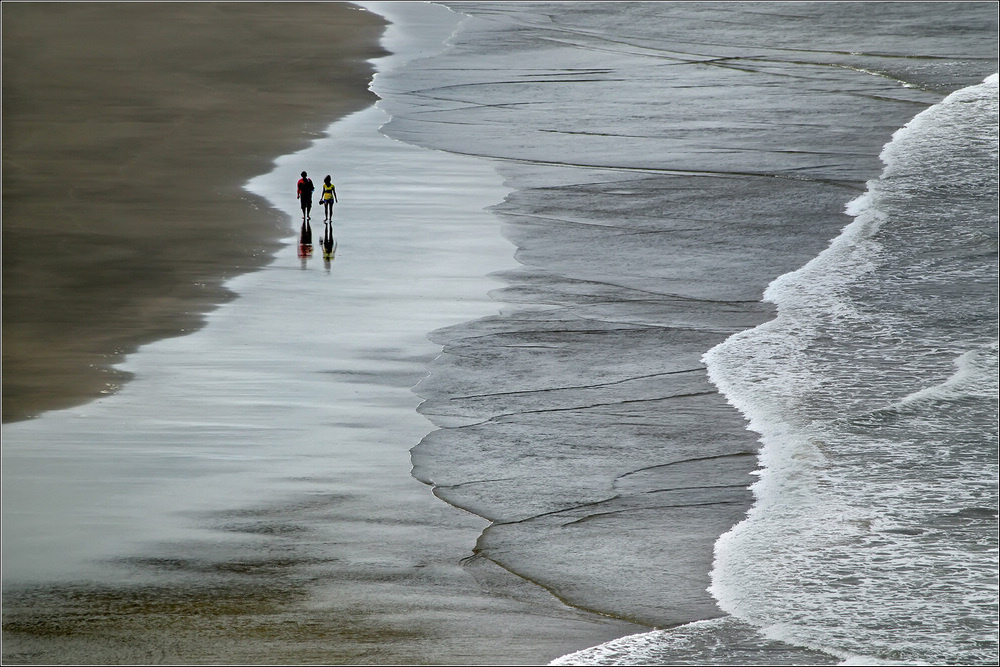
pixel 123 168
pixel 368 569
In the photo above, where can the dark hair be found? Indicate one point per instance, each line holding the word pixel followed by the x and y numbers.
pixel 327 179
pixel 303 174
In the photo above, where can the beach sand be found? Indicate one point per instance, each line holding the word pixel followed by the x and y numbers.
pixel 141 220
pixel 129 130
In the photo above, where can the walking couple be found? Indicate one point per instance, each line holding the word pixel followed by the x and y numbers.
pixel 328 197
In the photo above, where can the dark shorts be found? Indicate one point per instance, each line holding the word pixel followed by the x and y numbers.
pixel 306 203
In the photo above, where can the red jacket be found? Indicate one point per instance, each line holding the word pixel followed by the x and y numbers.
pixel 304 187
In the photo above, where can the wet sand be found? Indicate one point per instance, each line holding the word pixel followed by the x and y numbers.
pixel 346 560
pixel 129 130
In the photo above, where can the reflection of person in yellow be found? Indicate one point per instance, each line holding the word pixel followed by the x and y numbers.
pixel 329 243
pixel 329 198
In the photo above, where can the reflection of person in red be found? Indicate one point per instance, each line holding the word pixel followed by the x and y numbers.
pixel 305 241
pixel 304 193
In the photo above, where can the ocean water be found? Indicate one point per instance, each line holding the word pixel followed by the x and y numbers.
pixel 793 204
pixel 875 393
pixel 873 535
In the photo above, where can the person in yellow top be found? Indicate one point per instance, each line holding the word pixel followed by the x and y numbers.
pixel 329 198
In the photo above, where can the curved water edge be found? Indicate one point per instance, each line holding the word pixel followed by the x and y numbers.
pixel 577 172
pixel 874 390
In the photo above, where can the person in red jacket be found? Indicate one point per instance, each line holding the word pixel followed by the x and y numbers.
pixel 304 193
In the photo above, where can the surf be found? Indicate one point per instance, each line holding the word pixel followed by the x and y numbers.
pixel 874 398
